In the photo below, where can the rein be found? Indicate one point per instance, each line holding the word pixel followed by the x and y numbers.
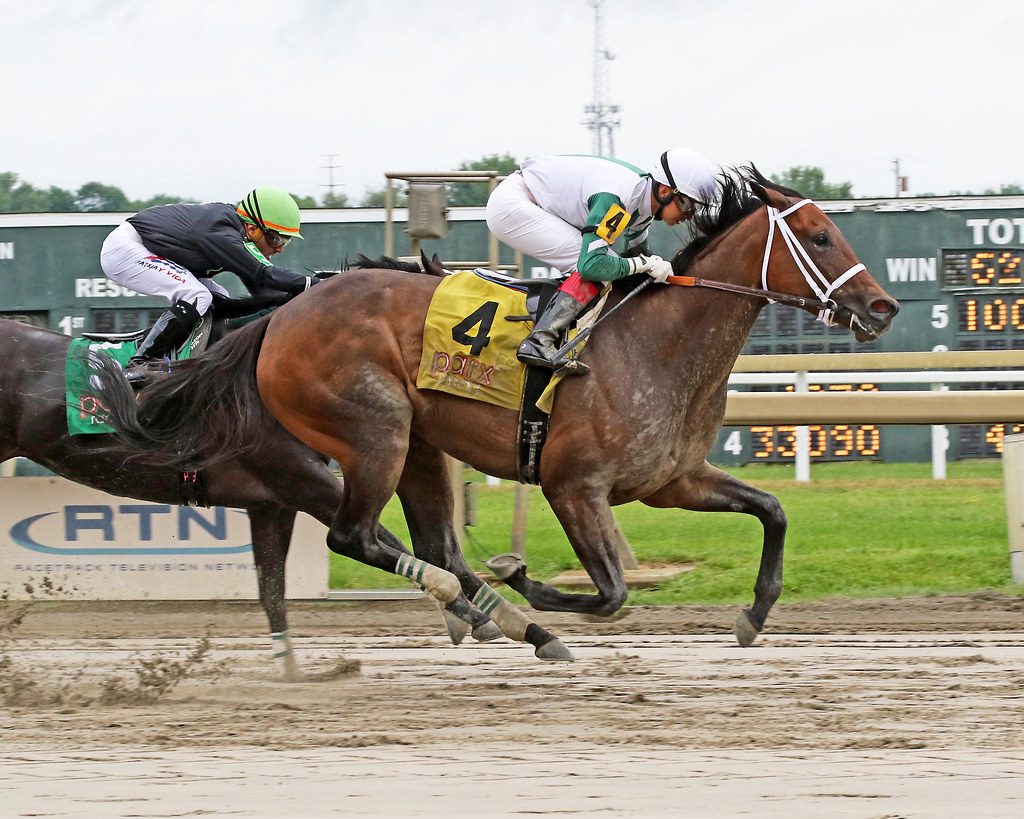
pixel 770 295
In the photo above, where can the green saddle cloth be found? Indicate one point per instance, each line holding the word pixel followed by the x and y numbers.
pixel 82 404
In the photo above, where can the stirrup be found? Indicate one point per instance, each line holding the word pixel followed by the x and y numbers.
pixel 137 376
pixel 571 366
pixel 138 371
pixel 564 366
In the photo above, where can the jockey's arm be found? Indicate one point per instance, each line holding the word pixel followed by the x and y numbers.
pixel 223 245
pixel 636 244
pixel 607 220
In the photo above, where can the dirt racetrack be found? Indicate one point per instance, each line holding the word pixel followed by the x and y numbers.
pixel 843 708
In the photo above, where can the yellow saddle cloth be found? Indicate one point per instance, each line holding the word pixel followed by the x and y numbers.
pixel 469 348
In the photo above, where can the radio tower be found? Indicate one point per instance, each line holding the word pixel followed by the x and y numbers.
pixel 601 115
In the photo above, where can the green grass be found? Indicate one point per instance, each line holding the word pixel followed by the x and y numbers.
pixel 856 530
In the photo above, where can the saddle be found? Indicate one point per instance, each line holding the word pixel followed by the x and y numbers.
pixel 538 291
pixel 117 338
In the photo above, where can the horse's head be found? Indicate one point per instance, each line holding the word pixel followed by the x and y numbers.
pixel 806 255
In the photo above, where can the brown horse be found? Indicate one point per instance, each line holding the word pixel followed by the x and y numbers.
pixel 338 369
pixel 270 482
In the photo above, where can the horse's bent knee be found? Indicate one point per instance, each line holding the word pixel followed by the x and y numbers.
pixel 611 602
pixel 345 543
pixel 774 515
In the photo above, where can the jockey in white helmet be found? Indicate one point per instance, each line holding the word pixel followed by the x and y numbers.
pixel 569 212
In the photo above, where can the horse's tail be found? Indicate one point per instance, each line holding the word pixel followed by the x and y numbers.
pixel 204 411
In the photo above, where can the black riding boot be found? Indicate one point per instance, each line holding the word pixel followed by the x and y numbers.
pixel 540 348
pixel 171 330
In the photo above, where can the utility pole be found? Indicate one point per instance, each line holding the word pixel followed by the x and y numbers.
pixel 601 117
pixel 330 166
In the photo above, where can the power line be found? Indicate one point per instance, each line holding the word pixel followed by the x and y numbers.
pixel 330 166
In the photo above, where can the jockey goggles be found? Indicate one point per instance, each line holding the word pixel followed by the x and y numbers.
pixel 275 239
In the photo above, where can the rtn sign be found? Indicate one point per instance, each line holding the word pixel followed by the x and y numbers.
pixel 127 529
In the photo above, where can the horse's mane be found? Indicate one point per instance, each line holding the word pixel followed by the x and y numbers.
pixel 737 200
pixel 431 267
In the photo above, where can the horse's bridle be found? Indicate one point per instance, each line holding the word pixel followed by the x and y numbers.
pixel 828 309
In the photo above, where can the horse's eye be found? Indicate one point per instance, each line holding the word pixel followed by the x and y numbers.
pixel 821 239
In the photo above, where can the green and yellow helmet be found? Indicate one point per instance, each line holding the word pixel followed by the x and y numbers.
pixel 271 209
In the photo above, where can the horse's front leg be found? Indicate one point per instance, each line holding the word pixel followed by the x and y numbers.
pixel 271 528
pixel 711 490
pixel 588 523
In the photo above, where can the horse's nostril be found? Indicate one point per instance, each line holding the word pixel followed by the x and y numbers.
pixel 884 309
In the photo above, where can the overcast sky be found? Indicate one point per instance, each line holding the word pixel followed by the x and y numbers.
pixel 209 98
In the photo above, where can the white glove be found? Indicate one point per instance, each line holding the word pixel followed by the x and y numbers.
pixel 654 266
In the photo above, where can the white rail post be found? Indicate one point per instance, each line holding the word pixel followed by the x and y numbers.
pixel 1013 483
pixel 803 435
pixel 940 443
pixel 519 511
pixel 457 479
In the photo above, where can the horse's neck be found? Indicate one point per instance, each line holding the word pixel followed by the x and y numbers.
pixel 719 322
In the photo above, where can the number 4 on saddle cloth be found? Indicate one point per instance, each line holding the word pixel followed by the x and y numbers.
pixel 474 326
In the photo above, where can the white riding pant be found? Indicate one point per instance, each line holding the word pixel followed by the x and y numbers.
pixel 514 216
pixel 125 260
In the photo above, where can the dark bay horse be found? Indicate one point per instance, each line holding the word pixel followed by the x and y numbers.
pixel 271 482
pixel 339 371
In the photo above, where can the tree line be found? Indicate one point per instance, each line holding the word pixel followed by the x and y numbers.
pixel 19 196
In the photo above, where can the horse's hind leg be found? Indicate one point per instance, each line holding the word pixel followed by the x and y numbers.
pixel 711 490
pixel 459 615
pixel 271 536
pixel 426 496
pixel 354 534
pixel 367 432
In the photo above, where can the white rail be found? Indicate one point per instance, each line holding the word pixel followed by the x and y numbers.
pixel 801 405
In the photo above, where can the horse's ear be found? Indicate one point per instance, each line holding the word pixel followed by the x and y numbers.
pixel 433 265
pixel 756 181
pixel 758 176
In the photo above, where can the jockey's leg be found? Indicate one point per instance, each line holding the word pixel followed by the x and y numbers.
pixel 128 262
pixel 171 330
pixel 540 349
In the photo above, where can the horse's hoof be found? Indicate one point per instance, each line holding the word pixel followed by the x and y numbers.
pixel 555 650
pixel 486 632
pixel 745 630
pixel 291 673
pixel 457 628
pixel 506 565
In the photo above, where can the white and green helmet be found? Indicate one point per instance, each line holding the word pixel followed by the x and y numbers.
pixel 271 209
pixel 687 171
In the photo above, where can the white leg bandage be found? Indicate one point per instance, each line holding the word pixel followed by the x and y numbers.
pixel 441 584
pixel 507 617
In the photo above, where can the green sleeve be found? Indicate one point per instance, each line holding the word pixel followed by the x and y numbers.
pixel 636 243
pixel 607 215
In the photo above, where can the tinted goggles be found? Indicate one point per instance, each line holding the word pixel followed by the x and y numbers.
pixel 275 239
